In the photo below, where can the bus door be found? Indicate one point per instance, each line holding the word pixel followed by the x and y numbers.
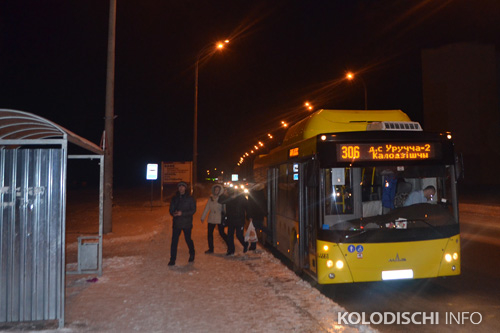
pixel 310 205
pixel 272 187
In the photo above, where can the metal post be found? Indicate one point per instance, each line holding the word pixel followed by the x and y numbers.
pixel 108 121
pixel 366 94
pixel 151 195
pixel 195 127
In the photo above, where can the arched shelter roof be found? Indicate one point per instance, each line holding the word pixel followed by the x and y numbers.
pixel 19 128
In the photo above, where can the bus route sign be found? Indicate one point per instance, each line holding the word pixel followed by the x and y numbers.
pixel 385 151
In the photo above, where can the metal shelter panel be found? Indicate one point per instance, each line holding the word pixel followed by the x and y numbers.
pixel 33 163
pixel 32 234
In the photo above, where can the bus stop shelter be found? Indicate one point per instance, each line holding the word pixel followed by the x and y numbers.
pixel 33 169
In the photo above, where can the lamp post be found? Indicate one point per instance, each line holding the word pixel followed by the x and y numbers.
pixel 109 123
pixel 350 76
pixel 207 51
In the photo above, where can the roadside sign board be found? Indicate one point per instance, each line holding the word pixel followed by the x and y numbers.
pixel 174 172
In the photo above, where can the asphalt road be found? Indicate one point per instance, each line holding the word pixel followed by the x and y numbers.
pixel 474 293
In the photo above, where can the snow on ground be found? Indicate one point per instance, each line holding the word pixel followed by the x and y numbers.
pixel 251 292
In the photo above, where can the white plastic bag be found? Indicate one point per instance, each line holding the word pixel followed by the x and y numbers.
pixel 251 234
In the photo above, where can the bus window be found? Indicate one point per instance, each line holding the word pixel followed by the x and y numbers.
pixel 338 191
pixel 288 193
pixel 398 184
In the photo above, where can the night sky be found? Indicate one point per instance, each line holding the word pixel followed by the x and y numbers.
pixel 281 54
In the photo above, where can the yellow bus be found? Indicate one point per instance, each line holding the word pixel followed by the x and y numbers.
pixel 357 196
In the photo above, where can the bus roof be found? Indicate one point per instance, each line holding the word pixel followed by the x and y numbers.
pixel 331 121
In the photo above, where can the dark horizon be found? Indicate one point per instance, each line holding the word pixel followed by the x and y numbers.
pixel 281 54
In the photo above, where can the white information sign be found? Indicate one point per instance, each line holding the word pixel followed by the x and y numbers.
pixel 152 172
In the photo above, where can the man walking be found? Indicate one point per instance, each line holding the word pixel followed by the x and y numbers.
pixel 182 208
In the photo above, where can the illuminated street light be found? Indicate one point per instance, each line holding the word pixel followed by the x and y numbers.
pixel 350 76
pixel 205 51
pixel 220 45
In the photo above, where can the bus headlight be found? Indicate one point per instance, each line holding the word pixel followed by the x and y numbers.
pixel 455 256
pixel 447 257
pixel 339 264
pixel 325 247
pixel 329 263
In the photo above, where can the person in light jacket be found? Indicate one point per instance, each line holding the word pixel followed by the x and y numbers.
pixel 215 212
pixel 182 208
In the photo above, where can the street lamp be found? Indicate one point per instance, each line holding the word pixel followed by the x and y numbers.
pixel 205 52
pixel 350 76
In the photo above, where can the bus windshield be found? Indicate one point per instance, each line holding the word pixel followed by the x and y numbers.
pixel 389 197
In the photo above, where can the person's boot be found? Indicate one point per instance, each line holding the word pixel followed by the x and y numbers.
pixel 191 258
pixel 209 251
pixel 171 262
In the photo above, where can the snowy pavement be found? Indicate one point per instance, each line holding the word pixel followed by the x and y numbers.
pixel 251 292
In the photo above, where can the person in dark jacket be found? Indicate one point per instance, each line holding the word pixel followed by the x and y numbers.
pixel 182 208
pixel 257 209
pixel 236 208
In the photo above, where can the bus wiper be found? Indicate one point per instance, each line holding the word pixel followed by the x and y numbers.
pixel 360 231
pixel 427 223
